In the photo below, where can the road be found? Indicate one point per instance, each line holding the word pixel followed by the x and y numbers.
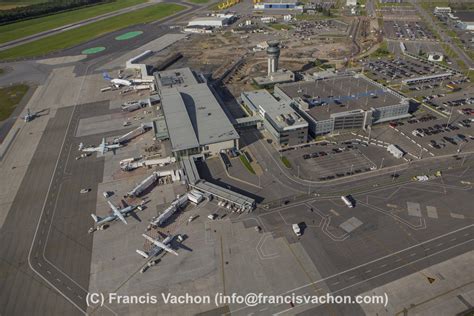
pixel 444 37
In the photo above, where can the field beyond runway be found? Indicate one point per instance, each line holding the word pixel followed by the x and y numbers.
pixel 13 31
pixel 88 32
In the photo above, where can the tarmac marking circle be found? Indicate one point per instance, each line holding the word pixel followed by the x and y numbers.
pixel 128 35
pixel 93 50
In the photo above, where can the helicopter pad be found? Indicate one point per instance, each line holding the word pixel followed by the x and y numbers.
pixel 128 35
pixel 93 50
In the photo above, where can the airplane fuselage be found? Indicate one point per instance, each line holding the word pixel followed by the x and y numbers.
pixel 113 217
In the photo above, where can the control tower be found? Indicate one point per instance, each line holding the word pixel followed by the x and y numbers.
pixel 273 52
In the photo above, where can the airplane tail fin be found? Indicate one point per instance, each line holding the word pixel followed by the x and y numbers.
pixel 81 146
pixel 96 218
pixel 106 76
pixel 142 253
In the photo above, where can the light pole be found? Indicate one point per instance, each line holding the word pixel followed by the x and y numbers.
pixel 381 163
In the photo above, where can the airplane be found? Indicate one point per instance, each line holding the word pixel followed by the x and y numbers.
pixel 159 246
pixel 117 213
pixel 117 82
pixel 29 117
pixel 102 148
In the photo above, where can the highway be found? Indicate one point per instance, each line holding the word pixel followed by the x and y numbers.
pixel 444 37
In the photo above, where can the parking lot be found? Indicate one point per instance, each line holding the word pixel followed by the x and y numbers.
pixel 407 30
pixel 399 69
pixel 330 161
pixel 304 29
pixel 439 135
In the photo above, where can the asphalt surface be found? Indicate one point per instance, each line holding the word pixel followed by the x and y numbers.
pixel 19 284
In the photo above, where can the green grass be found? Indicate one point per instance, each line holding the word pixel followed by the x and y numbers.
pixel 198 1
pixel 9 99
pixel 88 32
pixel 285 161
pixel 381 52
pixel 280 26
pixel 21 29
pixel 246 163
pixel 2 71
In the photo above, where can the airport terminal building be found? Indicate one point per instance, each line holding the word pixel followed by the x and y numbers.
pixel 343 101
pixel 286 126
pixel 195 121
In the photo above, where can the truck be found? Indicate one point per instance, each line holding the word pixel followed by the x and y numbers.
pixel 348 201
pixel 195 197
pixel 297 229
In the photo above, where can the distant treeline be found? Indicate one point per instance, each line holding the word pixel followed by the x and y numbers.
pixel 45 8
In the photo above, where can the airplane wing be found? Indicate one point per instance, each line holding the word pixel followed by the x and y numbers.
pixel 117 212
pixel 160 244
pixel 102 146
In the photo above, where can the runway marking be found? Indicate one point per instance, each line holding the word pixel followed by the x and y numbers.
pixel 440 244
pixel 368 271
pixel 352 277
pixel 375 276
pixel 453 239
pixel 398 260
pixel 413 254
pixel 336 283
pixel 383 265
pixel 428 248
pixel 379 259
pixel 39 264
pixel 431 212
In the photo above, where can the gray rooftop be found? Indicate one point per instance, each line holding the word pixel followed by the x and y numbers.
pixel 279 112
pixel 194 117
pixel 175 77
pixel 465 16
pixel 340 94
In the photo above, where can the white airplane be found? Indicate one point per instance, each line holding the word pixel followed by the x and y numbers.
pixel 116 81
pixel 159 246
pixel 29 117
pixel 117 213
pixel 102 148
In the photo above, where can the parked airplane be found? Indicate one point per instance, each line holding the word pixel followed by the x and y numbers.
pixel 116 81
pixel 102 148
pixel 117 213
pixel 29 117
pixel 159 246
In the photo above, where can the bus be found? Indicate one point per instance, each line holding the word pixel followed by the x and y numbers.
pixel 348 201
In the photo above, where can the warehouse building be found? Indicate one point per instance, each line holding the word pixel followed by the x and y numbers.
pixel 195 121
pixel 344 101
pixel 465 20
pixel 218 20
pixel 286 126
pixel 278 5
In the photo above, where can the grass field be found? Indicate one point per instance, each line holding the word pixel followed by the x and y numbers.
pixel 88 32
pixel 9 99
pixel 21 29
pixel 286 162
pixel 246 163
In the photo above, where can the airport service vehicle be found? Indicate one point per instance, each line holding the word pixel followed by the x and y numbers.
pixel 191 218
pixel 212 216
pixel 85 191
pixel 130 106
pixel 347 200
pixel 297 229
